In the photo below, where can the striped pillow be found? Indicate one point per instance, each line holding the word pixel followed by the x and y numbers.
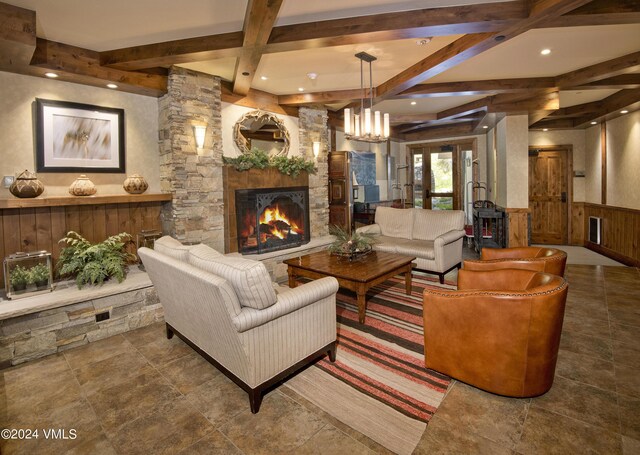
pixel 249 279
pixel 171 247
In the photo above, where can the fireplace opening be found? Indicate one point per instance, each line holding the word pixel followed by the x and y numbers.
pixel 270 219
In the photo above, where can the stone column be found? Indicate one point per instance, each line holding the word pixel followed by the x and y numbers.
pixel 193 176
pixel 313 127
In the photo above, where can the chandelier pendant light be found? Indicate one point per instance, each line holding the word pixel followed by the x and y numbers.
pixel 363 126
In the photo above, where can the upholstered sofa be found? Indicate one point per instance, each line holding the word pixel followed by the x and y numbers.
pixel 227 309
pixel 433 236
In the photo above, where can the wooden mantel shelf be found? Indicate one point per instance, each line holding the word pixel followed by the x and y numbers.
pixel 60 201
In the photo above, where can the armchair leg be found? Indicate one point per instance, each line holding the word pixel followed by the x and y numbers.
pixel 169 332
pixel 441 277
pixel 332 352
pixel 255 400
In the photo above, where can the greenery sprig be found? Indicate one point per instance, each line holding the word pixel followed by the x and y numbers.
pixel 260 159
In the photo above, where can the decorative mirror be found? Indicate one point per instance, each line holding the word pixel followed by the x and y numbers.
pixel 261 130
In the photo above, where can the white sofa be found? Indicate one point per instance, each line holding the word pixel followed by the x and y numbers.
pixel 227 309
pixel 435 237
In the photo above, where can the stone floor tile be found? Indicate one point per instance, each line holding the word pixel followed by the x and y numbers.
pixel 219 399
pixel 496 418
pixel 629 416
pixel 188 372
pixel 631 318
pixel 625 333
pixel 626 354
pixel 281 426
pixel 628 381
pixel 586 369
pixel 172 427
pixel 98 445
pixel 444 437
pixel 581 402
pixel 623 302
pixel 35 372
pixel 147 334
pixel 630 446
pixel 214 443
pixel 130 400
pixel 582 343
pixel 98 351
pixel 581 324
pixel 163 351
pixel 111 371
pixel 549 433
pixel 331 440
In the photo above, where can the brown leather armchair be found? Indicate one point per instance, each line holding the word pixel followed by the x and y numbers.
pixel 535 258
pixel 500 331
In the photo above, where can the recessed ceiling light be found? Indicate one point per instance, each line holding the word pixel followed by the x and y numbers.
pixel 264 78
pixel 112 86
pixel 413 103
pixel 423 41
pixel 624 111
pixel 312 76
pixel 51 75
pixel 301 89
pixel 485 126
pixel 545 129
pixel 594 123
pixel 545 51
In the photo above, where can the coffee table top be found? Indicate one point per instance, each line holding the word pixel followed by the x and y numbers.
pixel 362 269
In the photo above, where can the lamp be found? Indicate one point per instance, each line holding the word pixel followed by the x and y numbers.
pixel 316 149
pixel 362 128
pixel 199 132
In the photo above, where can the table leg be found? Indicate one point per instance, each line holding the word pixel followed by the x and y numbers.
pixel 292 278
pixel 407 281
pixel 362 303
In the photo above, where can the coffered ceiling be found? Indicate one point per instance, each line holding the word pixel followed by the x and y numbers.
pixel 482 59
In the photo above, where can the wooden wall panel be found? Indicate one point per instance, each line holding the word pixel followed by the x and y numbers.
pixel 40 228
pixel 620 238
pixel 518 222
pixel 577 234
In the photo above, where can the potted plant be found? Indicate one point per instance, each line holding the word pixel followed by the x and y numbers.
pixel 19 277
pixel 94 263
pixel 350 245
pixel 39 275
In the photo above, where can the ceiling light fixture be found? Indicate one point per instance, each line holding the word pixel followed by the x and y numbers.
pixel 413 103
pixel 112 86
pixel 51 75
pixel 594 123
pixel 312 76
pixel 545 129
pixel 301 89
pixel 424 41
pixel 264 78
pixel 485 126
pixel 363 128
pixel 624 111
pixel 545 51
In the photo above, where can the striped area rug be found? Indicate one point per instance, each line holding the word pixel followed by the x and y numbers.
pixel 379 384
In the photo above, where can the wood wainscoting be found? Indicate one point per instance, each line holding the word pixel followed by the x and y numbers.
pixel 29 225
pixel 518 227
pixel 620 236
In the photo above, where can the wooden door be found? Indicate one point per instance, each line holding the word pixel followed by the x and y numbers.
pixel 548 197
pixel 339 190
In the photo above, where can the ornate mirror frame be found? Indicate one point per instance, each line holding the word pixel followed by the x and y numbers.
pixel 264 117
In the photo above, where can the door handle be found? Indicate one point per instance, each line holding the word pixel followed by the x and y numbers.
pixel 563 196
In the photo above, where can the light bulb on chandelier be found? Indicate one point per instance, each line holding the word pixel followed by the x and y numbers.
pixel 373 130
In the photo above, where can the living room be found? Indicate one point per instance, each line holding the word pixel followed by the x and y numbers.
pixel 579 101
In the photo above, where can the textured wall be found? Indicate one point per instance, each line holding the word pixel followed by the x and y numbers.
pixel 17 141
pixel 623 161
pixel 592 166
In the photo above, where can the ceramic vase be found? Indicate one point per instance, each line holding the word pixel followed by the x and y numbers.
pixel 82 187
pixel 135 184
pixel 26 185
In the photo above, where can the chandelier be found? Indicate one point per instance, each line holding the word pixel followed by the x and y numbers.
pixel 361 127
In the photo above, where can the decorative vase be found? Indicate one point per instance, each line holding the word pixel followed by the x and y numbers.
pixel 26 185
pixel 135 184
pixel 82 187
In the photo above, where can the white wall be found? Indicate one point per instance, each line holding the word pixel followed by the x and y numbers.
pixel 623 161
pixel 231 113
pixel 512 145
pixel 17 138
pixel 592 166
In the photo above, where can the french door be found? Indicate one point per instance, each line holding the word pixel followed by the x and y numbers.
pixel 435 174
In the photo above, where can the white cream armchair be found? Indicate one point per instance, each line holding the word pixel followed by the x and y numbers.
pixel 226 309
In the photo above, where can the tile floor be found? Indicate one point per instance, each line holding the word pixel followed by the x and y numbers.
pixel 141 393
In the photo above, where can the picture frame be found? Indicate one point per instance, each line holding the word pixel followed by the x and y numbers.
pixel 75 137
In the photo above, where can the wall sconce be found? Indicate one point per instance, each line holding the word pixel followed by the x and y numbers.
pixel 199 132
pixel 316 149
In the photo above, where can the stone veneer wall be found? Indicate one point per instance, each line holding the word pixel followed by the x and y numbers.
pixel 193 176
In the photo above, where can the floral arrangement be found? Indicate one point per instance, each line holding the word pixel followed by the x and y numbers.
pixel 260 159
pixel 350 244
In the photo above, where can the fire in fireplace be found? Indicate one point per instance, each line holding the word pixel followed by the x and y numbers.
pixel 270 219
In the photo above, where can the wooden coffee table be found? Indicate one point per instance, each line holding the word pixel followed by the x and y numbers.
pixel 358 275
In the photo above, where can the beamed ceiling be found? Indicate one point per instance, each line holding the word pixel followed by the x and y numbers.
pixel 482 59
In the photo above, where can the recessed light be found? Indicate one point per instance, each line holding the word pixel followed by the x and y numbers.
pixel 545 51
pixel 51 75
pixel 485 126
pixel 112 86
pixel 545 129
pixel 594 123
pixel 423 41
pixel 301 89
pixel 413 103
pixel 312 76
pixel 264 78
pixel 624 111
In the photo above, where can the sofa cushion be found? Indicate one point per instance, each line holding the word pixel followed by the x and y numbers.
pixel 429 224
pixel 249 278
pixel 395 222
pixel 171 247
pixel 419 248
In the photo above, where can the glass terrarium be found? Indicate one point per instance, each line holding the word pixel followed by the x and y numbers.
pixel 27 274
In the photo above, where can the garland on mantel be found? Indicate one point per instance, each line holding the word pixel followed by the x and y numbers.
pixel 259 159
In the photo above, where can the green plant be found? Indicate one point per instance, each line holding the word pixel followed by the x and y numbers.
pixel 19 277
pixel 39 273
pixel 349 244
pixel 93 263
pixel 261 160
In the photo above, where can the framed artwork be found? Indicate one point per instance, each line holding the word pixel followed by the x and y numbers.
pixel 74 137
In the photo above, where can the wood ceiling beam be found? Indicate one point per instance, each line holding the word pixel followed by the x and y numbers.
pixel 486 87
pixel 622 65
pixel 437 132
pixel 258 23
pixel 465 109
pixel 600 12
pixel 17 36
pixel 471 45
pixel 412 118
pixel 256 99
pixel 336 96
pixel 611 106
pixel 615 83
pixel 407 128
pixel 542 101
pixel 79 65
